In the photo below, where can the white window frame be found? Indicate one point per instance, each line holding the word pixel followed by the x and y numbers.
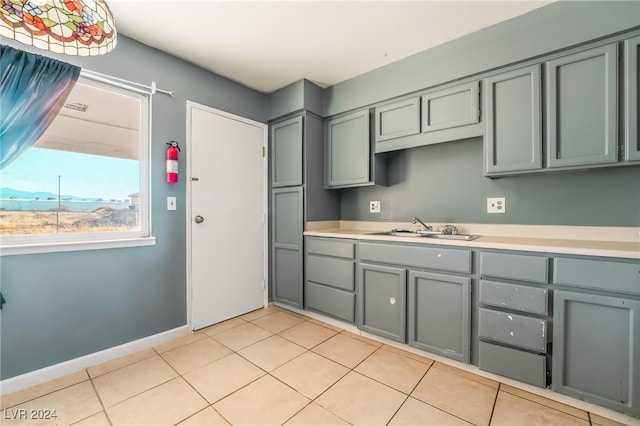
pixel 32 244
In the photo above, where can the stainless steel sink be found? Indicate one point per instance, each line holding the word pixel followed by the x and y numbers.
pixel 454 237
pixel 427 234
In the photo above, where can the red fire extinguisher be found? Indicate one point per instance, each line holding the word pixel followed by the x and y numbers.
pixel 172 162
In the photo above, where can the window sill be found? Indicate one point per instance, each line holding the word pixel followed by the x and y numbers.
pixel 54 247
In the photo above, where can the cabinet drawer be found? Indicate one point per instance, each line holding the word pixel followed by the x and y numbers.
pixel 600 274
pixel 533 300
pixel 331 247
pixel 515 266
pixel 331 301
pixel 330 271
pixel 512 329
pixel 523 366
pixel 417 257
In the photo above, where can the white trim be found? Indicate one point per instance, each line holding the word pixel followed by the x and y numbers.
pixel 55 247
pixel 190 106
pixel 52 372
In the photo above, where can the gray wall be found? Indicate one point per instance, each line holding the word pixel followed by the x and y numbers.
pixel 444 183
pixel 65 305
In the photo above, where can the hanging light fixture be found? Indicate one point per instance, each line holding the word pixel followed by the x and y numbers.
pixel 72 27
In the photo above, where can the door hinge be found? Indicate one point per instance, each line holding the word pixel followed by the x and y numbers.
pixel 264 284
pixel 264 152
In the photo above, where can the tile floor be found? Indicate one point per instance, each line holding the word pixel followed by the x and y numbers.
pixel 274 367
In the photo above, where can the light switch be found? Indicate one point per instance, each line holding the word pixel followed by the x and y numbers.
pixel 171 203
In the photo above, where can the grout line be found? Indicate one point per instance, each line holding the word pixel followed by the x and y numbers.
pixel 104 409
pixel 495 402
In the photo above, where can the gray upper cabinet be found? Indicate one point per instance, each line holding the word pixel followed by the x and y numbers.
pixel 348 150
pixel 632 99
pixel 287 245
pixel 513 121
pixel 451 107
pixel 397 119
pixel 286 152
pixel 581 107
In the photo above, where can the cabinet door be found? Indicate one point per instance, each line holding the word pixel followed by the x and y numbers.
pixel 398 119
pixel 286 153
pixel 348 150
pixel 451 107
pixel 582 118
pixel 513 125
pixel 632 99
pixel 596 349
pixel 287 220
pixel 439 318
pixel 381 300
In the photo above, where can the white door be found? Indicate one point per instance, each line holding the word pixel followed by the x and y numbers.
pixel 226 181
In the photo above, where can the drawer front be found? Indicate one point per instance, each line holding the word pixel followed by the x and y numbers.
pixel 523 366
pixel 533 300
pixel 418 257
pixel 512 329
pixel 331 247
pixel 600 274
pixel 330 301
pixel 515 266
pixel 334 272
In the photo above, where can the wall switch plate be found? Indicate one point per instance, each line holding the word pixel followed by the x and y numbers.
pixel 171 203
pixel 374 206
pixel 496 205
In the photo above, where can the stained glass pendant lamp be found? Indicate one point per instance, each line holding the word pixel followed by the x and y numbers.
pixel 72 27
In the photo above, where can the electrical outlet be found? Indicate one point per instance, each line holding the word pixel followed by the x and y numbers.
pixel 374 206
pixel 496 205
pixel 171 203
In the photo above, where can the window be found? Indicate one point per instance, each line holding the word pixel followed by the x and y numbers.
pixel 86 179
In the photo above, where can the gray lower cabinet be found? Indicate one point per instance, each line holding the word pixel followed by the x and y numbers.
pixel 582 108
pixel 596 353
pixel 286 152
pixel 632 99
pixel 330 277
pixel 513 121
pixel 286 217
pixel 382 294
pixel 439 314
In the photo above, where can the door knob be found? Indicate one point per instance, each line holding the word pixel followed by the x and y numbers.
pixel 198 219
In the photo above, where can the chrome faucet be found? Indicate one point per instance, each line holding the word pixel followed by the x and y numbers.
pixel 449 229
pixel 415 220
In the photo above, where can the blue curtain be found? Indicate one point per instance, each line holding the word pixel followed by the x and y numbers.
pixel 33 89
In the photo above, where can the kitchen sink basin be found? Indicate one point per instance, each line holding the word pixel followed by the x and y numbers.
pixel 427 234
pixel 462 237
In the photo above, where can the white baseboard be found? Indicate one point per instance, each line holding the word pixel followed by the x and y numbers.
pixel 23 381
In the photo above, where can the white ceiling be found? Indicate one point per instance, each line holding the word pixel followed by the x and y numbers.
pixel 267 45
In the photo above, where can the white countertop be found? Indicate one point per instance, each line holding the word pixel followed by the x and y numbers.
pixel 611 241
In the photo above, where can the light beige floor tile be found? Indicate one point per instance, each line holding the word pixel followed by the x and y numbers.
pixel 223 326
pixel 315 415
pixel 166 404
pixel 362 338
pixel 414 412
pixel 220 378
pixel 99 419
pixel 133 379
pixel 457 395
pixel 68 405
pixel 467 374
pixel 603 421
pixel 345 350
pixel 271 352
pixel 326 325
pixel 123 361
pixel 545 401
pixel 264 402
pixel 361 401
pixel 242 336
pixel 408 354
pixel 180 341
pixel 393 370
pixel 511 409
pixel 206 417
pixel 308 334
pixel 42 389
pixel 310 374
pixel 278 322
pixel 194 355
pixel 253 315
